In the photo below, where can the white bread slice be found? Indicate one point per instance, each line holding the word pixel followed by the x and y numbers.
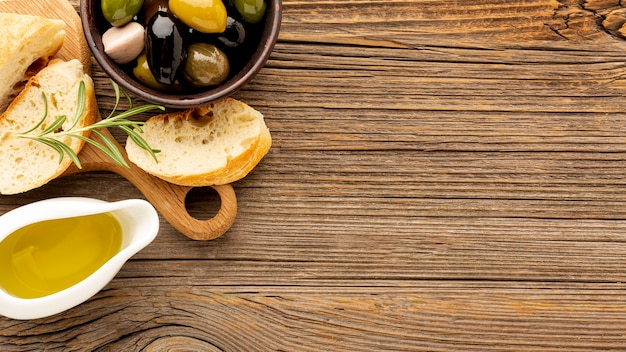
pixel 215 144
pixel 27 164
pixel 26 45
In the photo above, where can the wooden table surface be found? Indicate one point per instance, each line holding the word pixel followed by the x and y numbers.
pixel 445 176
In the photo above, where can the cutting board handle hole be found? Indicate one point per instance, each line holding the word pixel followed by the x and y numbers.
pixel 202 203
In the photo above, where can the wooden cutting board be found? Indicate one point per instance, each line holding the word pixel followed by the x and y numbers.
pixel 167 198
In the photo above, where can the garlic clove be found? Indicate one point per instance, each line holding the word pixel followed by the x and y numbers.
pixel 123 44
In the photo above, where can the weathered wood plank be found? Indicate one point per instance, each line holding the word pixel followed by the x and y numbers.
pixel 444 176
pixel 455 317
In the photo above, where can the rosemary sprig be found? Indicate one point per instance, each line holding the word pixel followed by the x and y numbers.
pixel 51 135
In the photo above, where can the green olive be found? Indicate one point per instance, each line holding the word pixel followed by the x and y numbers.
pixel 120 12
pixel 206 16
pixel 206 65
pixel 251 10
pixel 144 75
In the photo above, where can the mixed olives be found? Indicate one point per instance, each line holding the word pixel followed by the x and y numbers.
pixel 187 44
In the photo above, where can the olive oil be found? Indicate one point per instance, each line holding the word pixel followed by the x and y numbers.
pixel 49 256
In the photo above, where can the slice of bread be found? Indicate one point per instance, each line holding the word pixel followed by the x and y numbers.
pixel 26 45
pixel 27 164
pixel 215 144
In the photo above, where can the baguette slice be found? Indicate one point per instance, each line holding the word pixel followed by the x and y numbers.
pixel 27 164
pixel 26 45
pixel 215 144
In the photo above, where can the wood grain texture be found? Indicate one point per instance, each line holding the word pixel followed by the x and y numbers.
pixel 444 176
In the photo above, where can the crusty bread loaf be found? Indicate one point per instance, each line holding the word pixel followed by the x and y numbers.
pixel 215 144
pixel 27 164
pixel 26 45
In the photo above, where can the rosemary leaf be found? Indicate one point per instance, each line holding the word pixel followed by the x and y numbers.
pixel 116 90
pixel 51 134
pixel 52 143
pixel 110 152
pixel 80 104
pixel 128 99
pixel 135 110
pixel 54 126
pixel 45 115
pixel 60 148
pixel 138 139
pixel 69 152
pixel 112 146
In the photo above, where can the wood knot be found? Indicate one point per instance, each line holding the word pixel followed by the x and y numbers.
pixel 178 343
pixel 589 19
pixel 614 23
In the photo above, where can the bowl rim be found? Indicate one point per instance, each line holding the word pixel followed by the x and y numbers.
pixel 273 19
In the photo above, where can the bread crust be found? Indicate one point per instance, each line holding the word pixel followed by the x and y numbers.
pixel 27 43
pixel 194 168
pixel 29 164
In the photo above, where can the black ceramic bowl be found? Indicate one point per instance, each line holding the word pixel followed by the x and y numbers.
pixel 94 25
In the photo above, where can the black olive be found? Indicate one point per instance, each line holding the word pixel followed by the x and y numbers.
pixel 235 35
pixel 165 46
